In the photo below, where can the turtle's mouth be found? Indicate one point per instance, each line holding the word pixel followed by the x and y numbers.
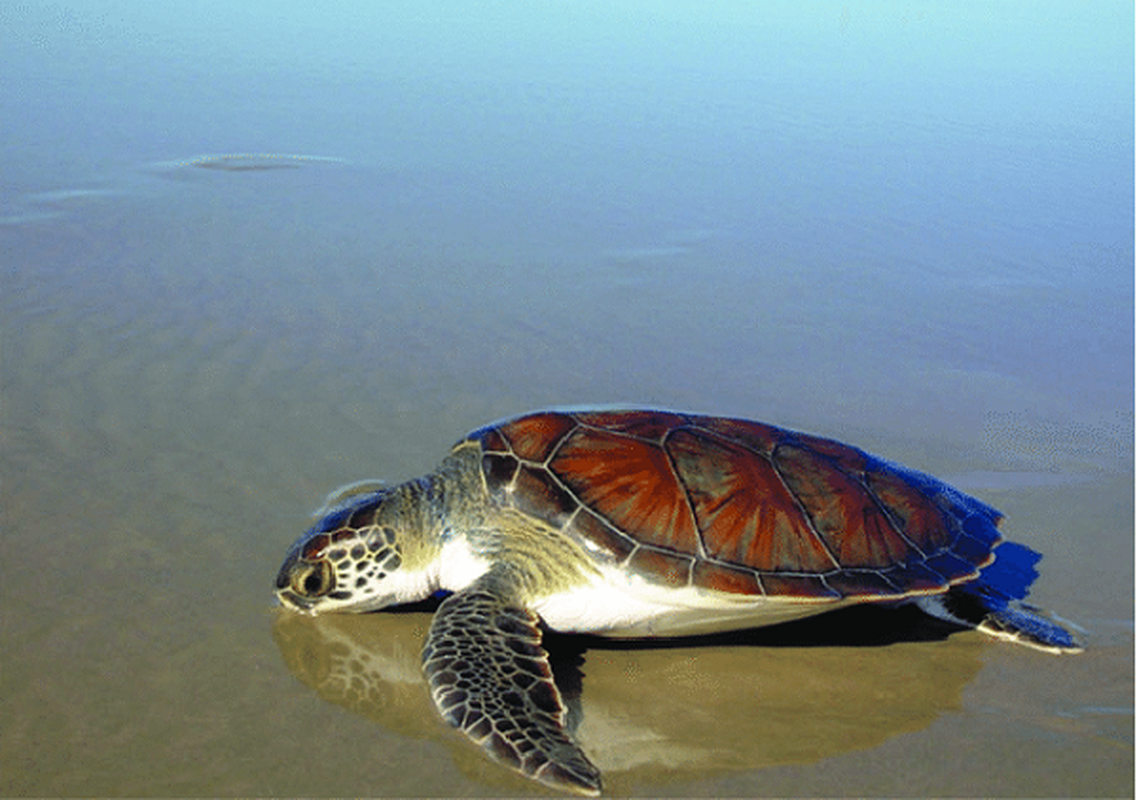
pixel 294 601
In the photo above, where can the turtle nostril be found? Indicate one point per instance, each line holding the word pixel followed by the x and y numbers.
pixel 312 580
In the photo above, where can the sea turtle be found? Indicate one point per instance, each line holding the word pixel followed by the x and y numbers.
pixel 643 523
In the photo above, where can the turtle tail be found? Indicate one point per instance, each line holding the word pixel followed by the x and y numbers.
pixel 994 603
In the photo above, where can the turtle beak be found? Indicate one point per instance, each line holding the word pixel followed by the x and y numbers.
pixel 294 602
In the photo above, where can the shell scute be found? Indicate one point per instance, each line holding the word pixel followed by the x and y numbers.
pixel 811 586
pixel 499 470
pixel 979 527
pixel 919 518
pixel 631 484
pixel 737 506
pixel 650 425
pixel 614 545
pixel 743 509
pixel 952 566
pixel 721 578
pixel 917 577
pixel 491 440
pixel 972 550
pixel 535 492
pixel 848 459
pixel 533 438
pixel 863 582
pixel 756 436
pixel 669 569
pixel 841 510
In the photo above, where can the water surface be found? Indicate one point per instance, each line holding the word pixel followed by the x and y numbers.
pixel 248 257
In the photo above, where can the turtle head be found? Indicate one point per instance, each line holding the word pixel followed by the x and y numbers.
pixel 351 560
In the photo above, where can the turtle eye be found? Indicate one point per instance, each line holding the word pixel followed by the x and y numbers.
pixel 312 580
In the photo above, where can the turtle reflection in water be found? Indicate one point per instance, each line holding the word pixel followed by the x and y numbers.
pixel 640 523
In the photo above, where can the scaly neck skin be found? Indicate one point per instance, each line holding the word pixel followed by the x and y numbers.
pixel 438 518
pixel 477 533
pixel 456 492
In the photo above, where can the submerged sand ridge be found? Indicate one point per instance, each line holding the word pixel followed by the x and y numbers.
pixel 247 162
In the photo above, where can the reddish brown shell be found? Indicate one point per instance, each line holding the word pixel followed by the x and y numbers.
pixel 737 506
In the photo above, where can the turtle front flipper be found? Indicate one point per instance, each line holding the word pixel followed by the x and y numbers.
pixel 490 678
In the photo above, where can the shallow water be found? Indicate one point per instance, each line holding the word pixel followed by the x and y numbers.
pixel 909 229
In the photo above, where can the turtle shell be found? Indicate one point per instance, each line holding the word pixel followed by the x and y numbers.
pixel 737 506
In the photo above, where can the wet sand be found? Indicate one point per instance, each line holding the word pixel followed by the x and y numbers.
pixel 189 370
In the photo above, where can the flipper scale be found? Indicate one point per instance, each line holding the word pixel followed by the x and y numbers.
pixel 490 678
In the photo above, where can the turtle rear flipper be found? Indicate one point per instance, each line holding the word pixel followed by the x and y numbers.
pixel 993 603
pixel 1030 626
pixel 490 678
